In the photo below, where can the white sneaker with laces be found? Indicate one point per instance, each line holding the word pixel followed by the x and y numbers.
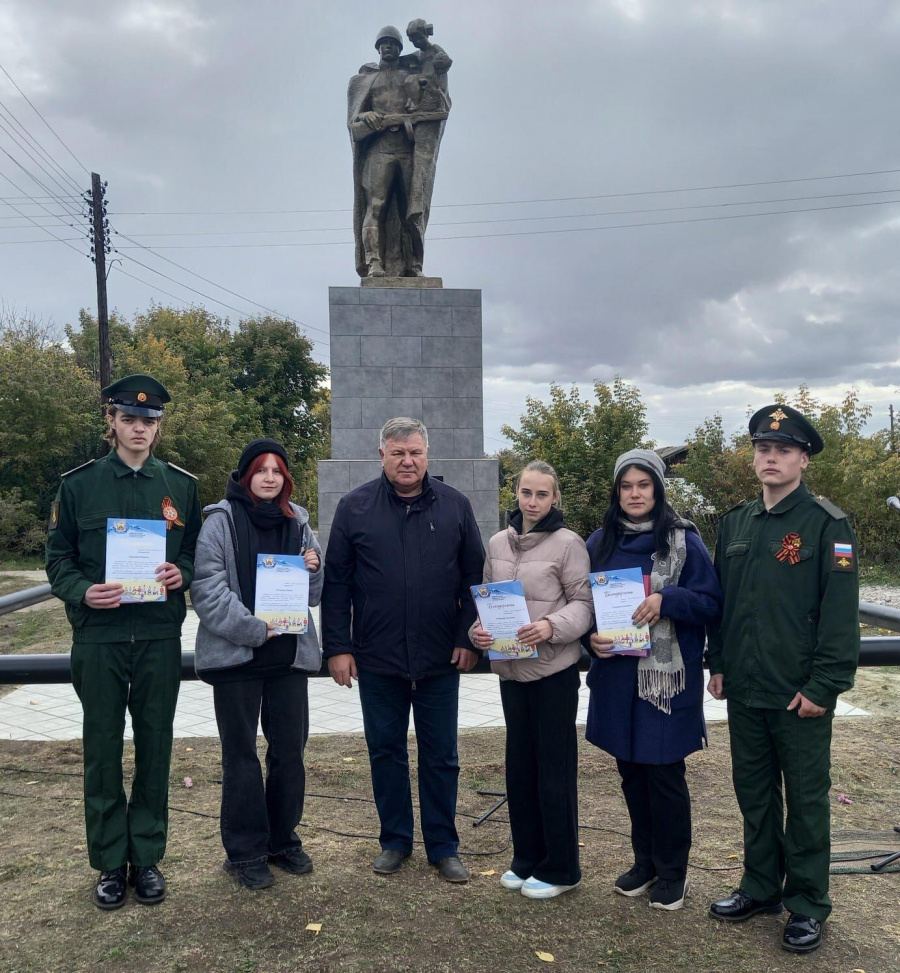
pixel 534 888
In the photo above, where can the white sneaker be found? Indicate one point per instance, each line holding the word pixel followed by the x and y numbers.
pixel 509 880
pixel 534 888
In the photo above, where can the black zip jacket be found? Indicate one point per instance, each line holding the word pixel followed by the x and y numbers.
pixel 397 578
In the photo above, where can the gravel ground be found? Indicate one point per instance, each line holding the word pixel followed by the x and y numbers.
pixel 880 595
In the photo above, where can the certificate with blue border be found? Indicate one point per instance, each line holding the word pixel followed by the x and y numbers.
pixel 282 592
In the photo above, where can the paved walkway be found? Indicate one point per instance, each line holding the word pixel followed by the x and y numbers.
pixel 53 712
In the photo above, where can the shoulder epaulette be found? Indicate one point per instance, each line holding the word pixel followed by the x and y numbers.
pixel 737 506
pixel 831 508
pixel 180 470
pixel 77 468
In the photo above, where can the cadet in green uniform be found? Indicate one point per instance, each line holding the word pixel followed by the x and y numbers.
pixel 125 655
pixel 786 646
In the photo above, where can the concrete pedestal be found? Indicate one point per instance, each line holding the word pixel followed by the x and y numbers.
pixel 407 352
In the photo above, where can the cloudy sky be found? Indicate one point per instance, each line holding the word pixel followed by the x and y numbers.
pixel 594 180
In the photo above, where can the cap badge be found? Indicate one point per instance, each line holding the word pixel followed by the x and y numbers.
pixel 790 549
pixel 142 396
pixel 170 513
pixel 777 417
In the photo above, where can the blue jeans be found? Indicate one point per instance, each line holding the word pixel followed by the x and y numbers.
pixel 386 702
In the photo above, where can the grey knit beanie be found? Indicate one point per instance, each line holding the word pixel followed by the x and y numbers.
pixel 646 459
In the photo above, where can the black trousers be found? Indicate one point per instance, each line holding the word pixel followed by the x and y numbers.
pixel 542 775
pixel 259 819
pixel 659 804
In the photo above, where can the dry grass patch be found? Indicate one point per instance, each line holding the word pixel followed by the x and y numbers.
pixel 412 921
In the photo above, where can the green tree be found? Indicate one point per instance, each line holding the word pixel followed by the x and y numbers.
pixel 581 440
pixel 49 410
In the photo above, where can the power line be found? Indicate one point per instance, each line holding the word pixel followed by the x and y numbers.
pixel 542 199
pixel 36 161
pixel 530 219
pixel 44 120
pixel 490 236
pixel 36 143
pixel 220 286
pixel 64 240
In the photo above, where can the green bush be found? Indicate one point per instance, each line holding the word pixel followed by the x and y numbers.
pixel 22 532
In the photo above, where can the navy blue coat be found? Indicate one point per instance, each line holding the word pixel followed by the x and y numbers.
pixel 397 579
pixel 619 721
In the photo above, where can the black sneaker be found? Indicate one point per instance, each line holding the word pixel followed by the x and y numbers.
pixel 293 860
pixel 635 881
pixel 255 875
pixel 670 895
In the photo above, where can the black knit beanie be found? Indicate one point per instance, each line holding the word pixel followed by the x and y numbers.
pixel 259 447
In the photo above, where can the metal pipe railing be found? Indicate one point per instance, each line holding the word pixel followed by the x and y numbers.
pixel 55 668
pixel 24 599
pixel 16 670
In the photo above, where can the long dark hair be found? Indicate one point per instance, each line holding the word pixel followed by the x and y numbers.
pixel 663 516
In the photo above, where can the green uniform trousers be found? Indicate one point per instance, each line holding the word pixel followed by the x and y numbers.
pixel 789 862
pixel 144 678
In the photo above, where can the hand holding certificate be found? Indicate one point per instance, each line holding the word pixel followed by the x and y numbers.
pixel 617 595
pixel 134 551
pixel 282 592
pixel 502 611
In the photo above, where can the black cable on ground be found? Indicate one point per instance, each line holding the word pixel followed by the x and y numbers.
pixel 839 858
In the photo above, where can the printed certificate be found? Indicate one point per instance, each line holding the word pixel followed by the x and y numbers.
pixel 617 595
pixel 134 550
pixel 502 612
pixel 282 592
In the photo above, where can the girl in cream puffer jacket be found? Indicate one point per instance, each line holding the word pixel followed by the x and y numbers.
pixel 540 694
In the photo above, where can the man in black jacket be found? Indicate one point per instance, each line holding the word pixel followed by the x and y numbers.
pixel 396 611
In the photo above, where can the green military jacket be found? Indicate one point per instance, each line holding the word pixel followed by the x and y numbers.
pixel 790 621
pixel 76 543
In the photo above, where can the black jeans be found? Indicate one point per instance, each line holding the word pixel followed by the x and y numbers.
pixel 260 819
pixel 659 804
pixel 542 775
pixel 386 702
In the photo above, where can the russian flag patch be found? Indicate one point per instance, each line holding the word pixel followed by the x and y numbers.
pixel 844 556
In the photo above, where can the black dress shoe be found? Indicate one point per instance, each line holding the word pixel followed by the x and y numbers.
pixel 452 869
pixel 149 885
pixel 109 892
pixel 802 934
pixel 740 906
pixel 389 861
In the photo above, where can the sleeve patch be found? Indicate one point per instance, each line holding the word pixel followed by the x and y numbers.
pixel 844 557
pixel 54 516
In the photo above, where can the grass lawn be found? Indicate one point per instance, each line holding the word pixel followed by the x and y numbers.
pixel 412 920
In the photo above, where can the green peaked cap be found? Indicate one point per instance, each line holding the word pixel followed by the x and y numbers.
pixel 784 424
pixel 138 395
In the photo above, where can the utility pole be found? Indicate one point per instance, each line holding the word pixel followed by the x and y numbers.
pixel 100 247
pixel 893 441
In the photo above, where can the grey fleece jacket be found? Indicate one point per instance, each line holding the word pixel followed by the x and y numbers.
pixel 228 631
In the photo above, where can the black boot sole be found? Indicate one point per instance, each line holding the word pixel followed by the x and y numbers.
pixel 106 907
pixel 763 910
pixel 155 900
pixel 801 949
